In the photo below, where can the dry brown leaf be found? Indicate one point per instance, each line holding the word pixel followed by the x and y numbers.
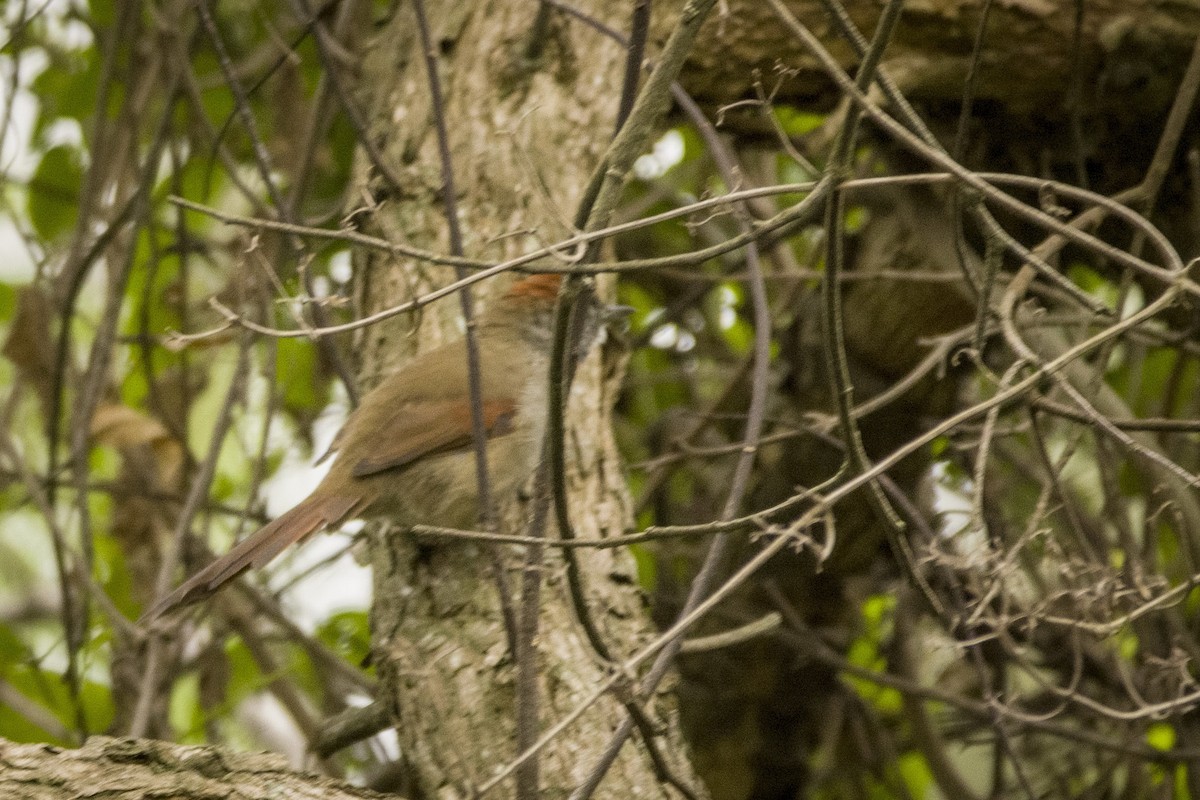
pixel 120 426
pixel 29 343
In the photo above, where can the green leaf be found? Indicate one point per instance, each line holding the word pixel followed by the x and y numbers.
pixel 47 691
pixel 305 388
pixel 12 649
pixel 914 769
pixel 8 302
pixel 647 567
pixel 184 710
pixel 245 678
pixel 113 573
pixel 54 192
pixel 796 122
pixel 1160 736
pixel 348 634
pixel 17 727
pixel 68 89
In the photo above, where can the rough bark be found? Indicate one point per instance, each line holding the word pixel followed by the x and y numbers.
pixel 1028 62
pixel 139 768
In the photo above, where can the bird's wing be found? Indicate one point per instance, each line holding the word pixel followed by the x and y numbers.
pixel 429 427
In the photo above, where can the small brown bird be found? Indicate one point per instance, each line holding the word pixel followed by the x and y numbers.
pixel 406 452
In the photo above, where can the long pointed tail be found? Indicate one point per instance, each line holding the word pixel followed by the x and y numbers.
pixel 309 516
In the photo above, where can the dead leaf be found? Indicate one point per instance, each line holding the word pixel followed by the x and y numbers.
pixel 29 344
pixel 125 428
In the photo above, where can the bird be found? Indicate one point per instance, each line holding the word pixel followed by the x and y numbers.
pixel 407 452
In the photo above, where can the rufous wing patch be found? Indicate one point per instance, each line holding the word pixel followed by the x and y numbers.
pixel 431 427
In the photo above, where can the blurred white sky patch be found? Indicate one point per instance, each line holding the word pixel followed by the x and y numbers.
pixel 16 165
pixel 66 30
pixel 339 585
pixel 19 155
pixel 340 268
pixel 16 262
pixel 666 153
pixel 952 501
pixel 727 316
pixel 17 160
pixel 271 726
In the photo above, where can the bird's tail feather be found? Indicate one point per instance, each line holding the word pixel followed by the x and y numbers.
pixel 309 516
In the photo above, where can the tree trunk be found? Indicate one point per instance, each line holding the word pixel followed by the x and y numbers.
pixel 530 107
